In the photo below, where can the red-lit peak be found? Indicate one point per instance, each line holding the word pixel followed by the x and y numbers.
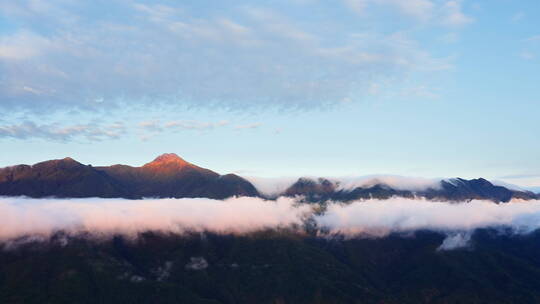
pixel 168 159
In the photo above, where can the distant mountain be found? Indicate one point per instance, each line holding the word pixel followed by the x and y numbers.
pixel 166 176
pixel 458 190
pixel 171 176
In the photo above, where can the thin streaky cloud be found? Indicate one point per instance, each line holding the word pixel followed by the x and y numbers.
pixel 533 38
pixel 248 126
pixel 520 176
pixel 62 133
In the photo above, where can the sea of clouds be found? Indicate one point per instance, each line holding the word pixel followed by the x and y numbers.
pixel 24 217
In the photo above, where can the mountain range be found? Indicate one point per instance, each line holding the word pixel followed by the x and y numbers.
pixel 454 190
pixel 170 176
pixel 167 176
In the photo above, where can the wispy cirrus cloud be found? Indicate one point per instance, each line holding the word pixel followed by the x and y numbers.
pixel 446 13
pixel 453 15
pixel 194 125
pixel 248 126
pixel 531 48
pixel 517 17
pixel 234 55
pixel 152 128
pixel 418 9
pixel 99 130
pixel 518 176
pixel 158 126
pixel 176 125
pixel 62 133
pixel 533 38
pixel 151 125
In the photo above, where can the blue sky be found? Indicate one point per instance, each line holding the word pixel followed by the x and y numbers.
pixel 433 88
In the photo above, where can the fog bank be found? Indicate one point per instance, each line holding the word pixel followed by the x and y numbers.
pixel 399 214
pixel 23 216
pixel 377 218
pixel 372 218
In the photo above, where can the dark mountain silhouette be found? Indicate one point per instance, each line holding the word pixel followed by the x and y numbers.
pixel 457 190
pixel 171 176
pixel 61 178
pixel 166 176
pixel 460 189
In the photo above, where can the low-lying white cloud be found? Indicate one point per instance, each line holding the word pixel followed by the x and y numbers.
pixel 380 218
pixel 273 187
pixel 394 181
pixel 24 217
pixel 456 240
pixel 399 215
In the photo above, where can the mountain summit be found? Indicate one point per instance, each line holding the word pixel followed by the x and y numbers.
pixel 169 159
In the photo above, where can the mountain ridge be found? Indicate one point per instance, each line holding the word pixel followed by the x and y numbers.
pixel 170 176
pixel 453 190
